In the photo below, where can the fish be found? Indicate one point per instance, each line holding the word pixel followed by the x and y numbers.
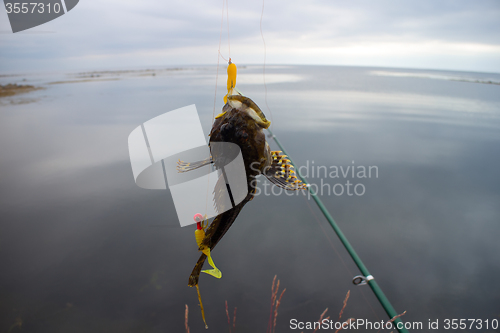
pixel 242 122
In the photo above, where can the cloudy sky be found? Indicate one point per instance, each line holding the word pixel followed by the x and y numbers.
pixel 97 34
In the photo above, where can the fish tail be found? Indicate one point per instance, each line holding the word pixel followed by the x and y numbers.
pixel 201 307
pixel 214 233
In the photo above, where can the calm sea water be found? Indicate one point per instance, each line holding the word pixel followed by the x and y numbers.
pixel 83 249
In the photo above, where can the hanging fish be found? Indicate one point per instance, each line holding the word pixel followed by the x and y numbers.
pixel 241 122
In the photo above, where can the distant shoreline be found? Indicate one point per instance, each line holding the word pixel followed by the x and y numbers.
pixel 15 89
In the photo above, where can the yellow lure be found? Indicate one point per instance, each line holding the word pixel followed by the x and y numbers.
pixel 231 75
pixel 199 235
pixel 231 79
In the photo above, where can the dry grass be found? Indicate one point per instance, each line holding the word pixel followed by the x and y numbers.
pixel 393 318
pixel 321 319
pixel 346 323
pixel 229 319
pixel 275 304
pixel 186 319
pixel 273 315
pixel 345 303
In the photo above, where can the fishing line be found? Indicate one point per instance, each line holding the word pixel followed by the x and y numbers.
pixel 338 254
pixel 218 58
pixel 264 66
pixel 227 20
pixel 384 302
pixel 310 208
pixel 223 57
pixel 225 4
pixel 215 92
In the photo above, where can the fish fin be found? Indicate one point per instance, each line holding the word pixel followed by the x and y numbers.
pixel 239 92
pixel 220 200
pixel 186 166
pixel 220 115
pixel 281 173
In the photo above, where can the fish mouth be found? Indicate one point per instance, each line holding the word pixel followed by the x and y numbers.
pixel 246 104
pixel 264 122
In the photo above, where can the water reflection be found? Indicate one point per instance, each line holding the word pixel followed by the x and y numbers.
pixel 75 229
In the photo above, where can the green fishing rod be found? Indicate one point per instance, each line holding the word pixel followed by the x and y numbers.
pixel 367 277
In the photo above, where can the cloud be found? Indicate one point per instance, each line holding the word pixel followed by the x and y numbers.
pixel 424 34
